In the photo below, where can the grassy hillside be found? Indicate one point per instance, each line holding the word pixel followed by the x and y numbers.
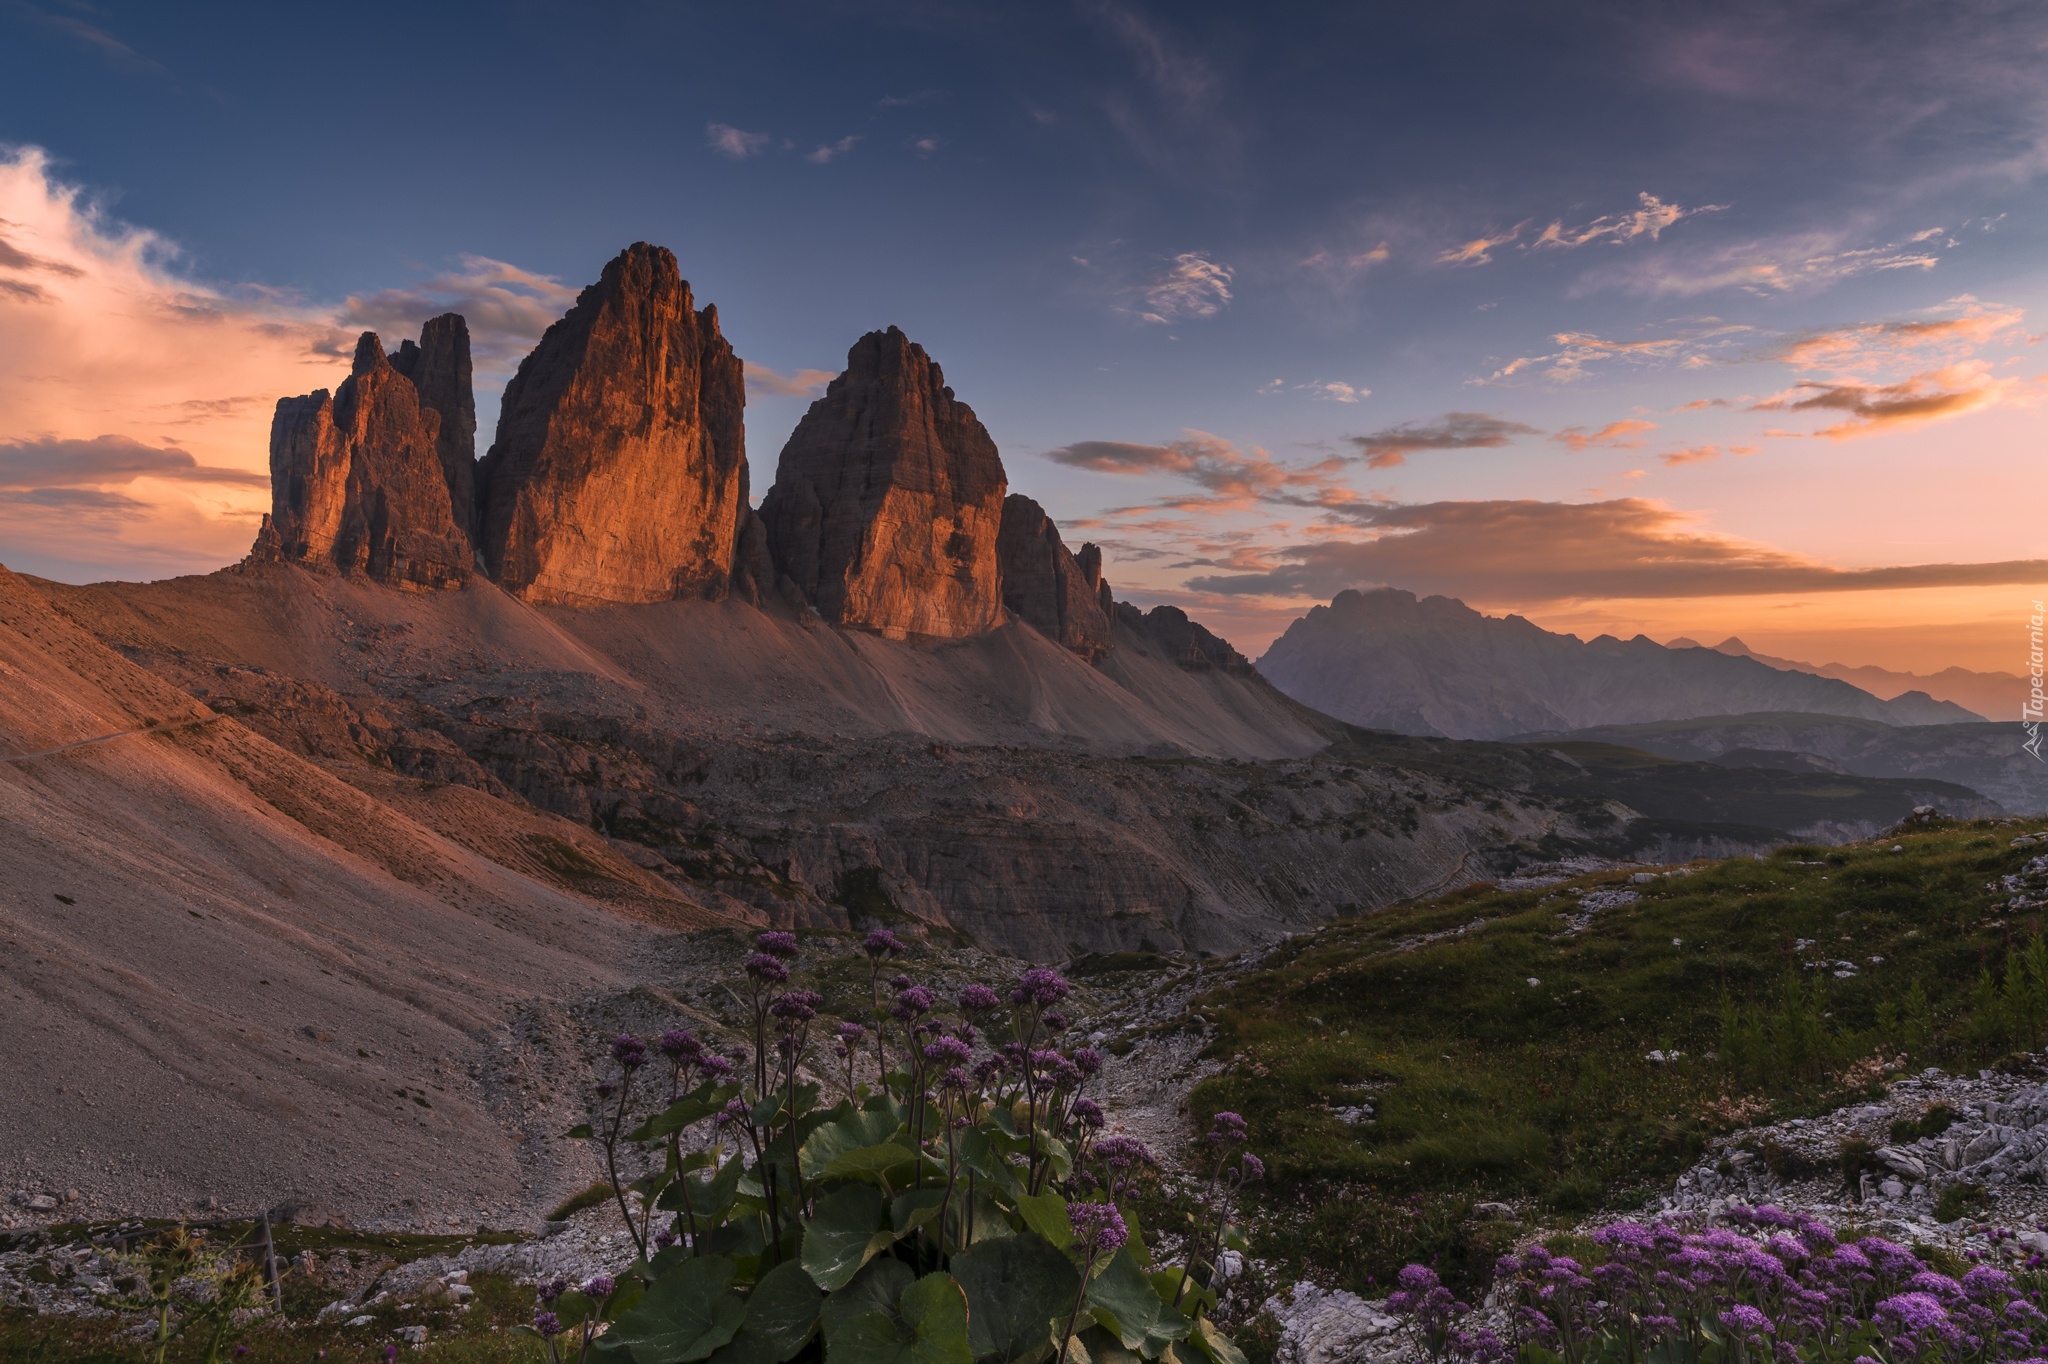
pixel 1498 1051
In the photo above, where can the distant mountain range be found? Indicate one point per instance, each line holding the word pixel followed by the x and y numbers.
pixel 1433 666
pixel 1996 696
pixel 1987 758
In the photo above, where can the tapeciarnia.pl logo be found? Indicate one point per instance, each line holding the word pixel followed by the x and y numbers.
pixel 2030 713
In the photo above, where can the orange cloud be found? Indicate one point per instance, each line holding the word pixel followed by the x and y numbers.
pixel 1870 344
pixel 804 383
pixel 1614 434
pixel 1479 251
pixel 1701 453
pixel 1650 219
pixel 1941 394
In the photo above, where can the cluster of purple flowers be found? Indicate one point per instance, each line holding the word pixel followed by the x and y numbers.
pixel 1771 1286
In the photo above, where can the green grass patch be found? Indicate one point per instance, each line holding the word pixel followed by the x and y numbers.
pixel 1504 1057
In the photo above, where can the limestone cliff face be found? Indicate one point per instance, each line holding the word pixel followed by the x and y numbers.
pixel 888 500
pixel 619 471
pixel 439 368
pixel 357 482
pixel 1047 585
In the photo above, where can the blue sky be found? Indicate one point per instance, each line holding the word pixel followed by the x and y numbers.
pixel 1215 277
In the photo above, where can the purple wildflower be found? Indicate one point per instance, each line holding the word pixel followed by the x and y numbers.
pixel 979 999
pixel 1087 1060
pixel 629 1051
pixel 545 1323
pixel 880 942
pixel 680 1045
pixel 763 966
pixel 797 1006
pixel 599 1287
pixel 1226 1127
pixel 948 1051
pixel 1040 986
pixel 1098 1228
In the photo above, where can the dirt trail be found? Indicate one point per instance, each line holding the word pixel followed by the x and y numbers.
pixel 188 723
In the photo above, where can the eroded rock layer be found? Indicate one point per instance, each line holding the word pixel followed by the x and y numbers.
pixel 888 500
pixel 1047 585
pixel 358 484
pixel 619 471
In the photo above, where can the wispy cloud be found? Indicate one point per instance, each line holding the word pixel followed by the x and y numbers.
pixel 1531 553
pixel 1231 478
pixel 507 309
pixel 1970 326
pixel 736 143
pixel 926 146
pixel 1325 390
pixel 909 101
pixel 1765 267
pixel 1577 351
pixel 1196 287
pixel 831 151
pixel 1651 216
pixel 1700 454
pixel 1479 251
pixel 1619 435
pixel 804 383
pixel 1452 431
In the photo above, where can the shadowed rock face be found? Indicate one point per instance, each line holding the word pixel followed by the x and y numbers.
pixel 619 471
pixel 1188 644
pixel 1048 586
pixel 357 481
pixel 439 368
pixel 888 500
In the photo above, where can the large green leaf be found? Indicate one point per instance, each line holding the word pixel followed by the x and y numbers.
pixel 846 1133
pixel 687 1314
pixel 1124 1301
pixel 782 1311
pixel 1019 1291
pixel 1046 1214
pixel 1097 1346
pixel 874 1289
pixel 1220 1348
pixel 708 1197
pixel 845 1234
pixel 874 1161
pixel 979 1154
pixel 929 1326
pixel 695 1106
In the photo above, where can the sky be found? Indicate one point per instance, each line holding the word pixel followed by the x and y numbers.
pixel 1674 318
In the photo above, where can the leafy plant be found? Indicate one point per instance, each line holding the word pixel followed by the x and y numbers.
pixel 956 1204
pixel 185 1291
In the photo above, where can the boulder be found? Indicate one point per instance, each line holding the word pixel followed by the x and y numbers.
pixel 1048 586
pixel 357 482
pixel 888 500
pixel 619 471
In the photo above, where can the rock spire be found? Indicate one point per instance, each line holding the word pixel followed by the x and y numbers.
pixel 1048 586
pixel 357 480
pixel 888 500
pixel 619 471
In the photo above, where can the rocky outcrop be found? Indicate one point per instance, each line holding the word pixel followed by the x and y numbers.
pixel 1185 643
pixel 439 368
pixel 1047 585
pixel 357 482
pixel 619 471
pixel 888 500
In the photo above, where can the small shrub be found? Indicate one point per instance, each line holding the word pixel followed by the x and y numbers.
pixel 1938 1118
pixel 597 1195
pixel 1786 1163
pixel 1856 1157
pixel 1959 1200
